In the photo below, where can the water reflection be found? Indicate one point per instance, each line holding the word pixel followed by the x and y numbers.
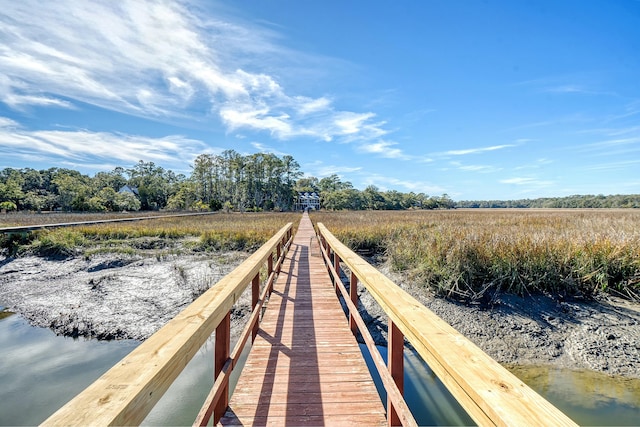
pixel 41 371
pixel 588 397
pixel 428 399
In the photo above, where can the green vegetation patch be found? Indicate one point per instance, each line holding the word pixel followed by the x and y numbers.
pixel 62 242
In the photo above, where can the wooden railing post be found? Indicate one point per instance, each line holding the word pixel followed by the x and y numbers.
pixel 336 266
pixel 270 269
pixel 395 363
pixel 222 348
pixel 278 253
pixel 255 295
pixel 353 293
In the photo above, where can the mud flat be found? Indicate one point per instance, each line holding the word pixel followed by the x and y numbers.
pixel 110 296
pixel 602 335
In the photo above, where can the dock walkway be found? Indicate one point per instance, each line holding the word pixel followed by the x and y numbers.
pixel 305 366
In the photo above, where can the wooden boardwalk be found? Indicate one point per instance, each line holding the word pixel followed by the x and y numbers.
pixel 305 366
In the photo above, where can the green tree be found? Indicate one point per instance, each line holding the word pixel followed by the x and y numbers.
pixel 126 202
pixel 372 198
pixel 73 190
pixel 154 184
pixel 8 206
pixel 11 182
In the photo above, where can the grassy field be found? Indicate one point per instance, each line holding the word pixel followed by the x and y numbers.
pixel 182 234
pixel 472 254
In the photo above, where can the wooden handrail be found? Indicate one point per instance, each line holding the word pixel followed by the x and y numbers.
pixel 126 393
pixel 489 393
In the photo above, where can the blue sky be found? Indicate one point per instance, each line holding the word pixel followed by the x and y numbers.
pixel 477 99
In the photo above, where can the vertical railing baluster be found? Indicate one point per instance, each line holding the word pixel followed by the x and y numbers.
pixel 278 254
pixel 336 266
pixel 255 295
pixel 353 293
pixel 395 363
pixel 222 348
pixel 270 270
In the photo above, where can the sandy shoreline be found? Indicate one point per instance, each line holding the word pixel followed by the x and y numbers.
pixel 115 296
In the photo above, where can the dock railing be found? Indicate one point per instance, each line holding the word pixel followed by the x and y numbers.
pixel 126 393
pixel 489 393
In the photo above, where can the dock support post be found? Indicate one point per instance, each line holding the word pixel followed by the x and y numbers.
pixel 396 367
pixel 222 347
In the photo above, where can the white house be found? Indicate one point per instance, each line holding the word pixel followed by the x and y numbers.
pixel 307 201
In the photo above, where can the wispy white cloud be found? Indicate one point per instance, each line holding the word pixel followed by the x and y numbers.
pixel 310 105
pixel 567 88
pixel 263 148
pixel 612 131
pixel 537 164
pixel 576 89
pixel 6 122
pixel 385 149
pixel 614 166
pixel 479 168
pixel 464 152
pixel 86 147
pixel 162 59
pixel 611 147
pixel 320 170
pixel 385 183
pixel 528 181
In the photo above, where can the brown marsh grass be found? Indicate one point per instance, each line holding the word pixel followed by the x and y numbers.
pixel 473 254
pixel 16 219
pixel 219 231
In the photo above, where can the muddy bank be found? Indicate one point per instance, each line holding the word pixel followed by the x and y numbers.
pixel 109 296
pixel 115 296
pixel 601 335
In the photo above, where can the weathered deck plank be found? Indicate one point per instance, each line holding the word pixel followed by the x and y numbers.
pixel 305 367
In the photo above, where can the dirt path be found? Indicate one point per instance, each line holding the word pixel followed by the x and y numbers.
pixel 112 296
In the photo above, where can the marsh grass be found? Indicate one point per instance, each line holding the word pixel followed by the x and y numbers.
pixel 14 219
pixel 218 232
pixel 474 254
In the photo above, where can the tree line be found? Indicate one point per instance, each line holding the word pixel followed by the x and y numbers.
pixel 231 181
pixel 576 201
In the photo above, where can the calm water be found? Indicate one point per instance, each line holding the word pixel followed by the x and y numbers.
pixel 40 372
pixel 589 398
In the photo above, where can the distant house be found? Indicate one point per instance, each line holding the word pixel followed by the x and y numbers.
pixel 129 189
pixel 307 201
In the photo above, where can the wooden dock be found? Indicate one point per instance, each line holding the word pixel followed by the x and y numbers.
pixel 305 366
